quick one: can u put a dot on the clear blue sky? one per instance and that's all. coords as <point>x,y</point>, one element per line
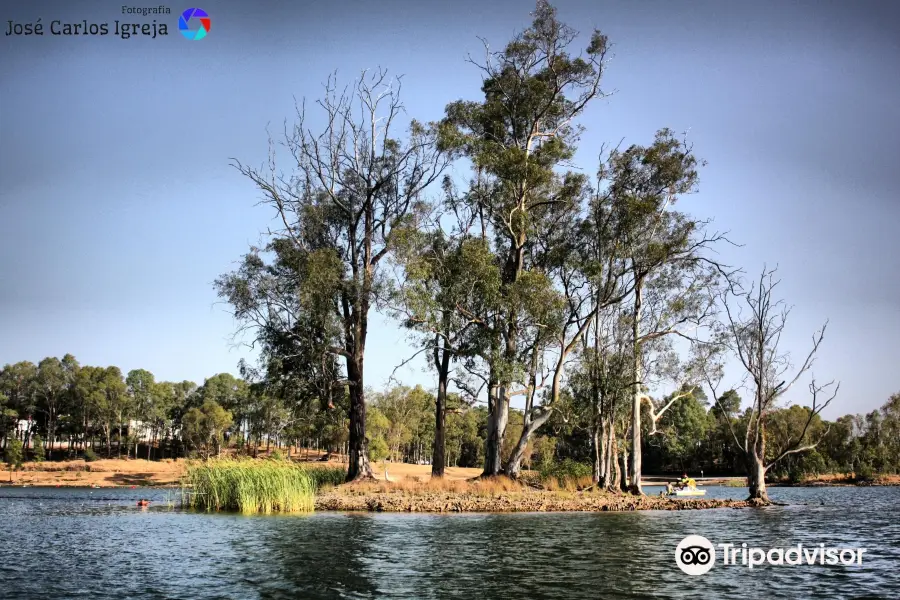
<point>118,208</point>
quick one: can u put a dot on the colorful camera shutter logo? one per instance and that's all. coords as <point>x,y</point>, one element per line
<point>197,18</point>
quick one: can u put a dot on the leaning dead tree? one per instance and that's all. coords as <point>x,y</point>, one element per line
<point>352,186</point>
<point>753,331</point>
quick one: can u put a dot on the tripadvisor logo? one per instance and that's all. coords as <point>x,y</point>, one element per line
<point>696,555</point>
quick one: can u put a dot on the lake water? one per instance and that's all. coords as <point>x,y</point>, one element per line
<point>81,543</point>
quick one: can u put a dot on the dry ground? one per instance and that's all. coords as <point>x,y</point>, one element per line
<point>138,472</point>
<point>103,473</point>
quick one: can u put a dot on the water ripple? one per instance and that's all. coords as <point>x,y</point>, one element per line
<point>70,543</point>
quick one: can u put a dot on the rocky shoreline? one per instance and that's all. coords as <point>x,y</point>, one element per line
<point>527,501</point>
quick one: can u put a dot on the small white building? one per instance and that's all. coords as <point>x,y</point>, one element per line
<point>142,431</point>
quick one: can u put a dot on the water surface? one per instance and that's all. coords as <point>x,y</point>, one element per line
<point>96,543</point>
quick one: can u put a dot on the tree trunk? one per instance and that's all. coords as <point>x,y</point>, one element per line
<point>440,412</point>
<point>27,437</point>
<point>498,416</point>
<point>51,434</point>
<point>614,483</point>
<point>358,466</point>
<point>609,462</point>
<point>599,447</point>
<point>626,485</point>
<point>496,427</point>
<point>635,473</point>
<point>756,477</point>
<point>514,466</point>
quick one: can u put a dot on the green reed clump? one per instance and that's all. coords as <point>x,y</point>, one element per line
<point>249,486</point>
<point>323,476</point>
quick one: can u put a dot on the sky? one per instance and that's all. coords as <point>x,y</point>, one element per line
<point>118,207</point>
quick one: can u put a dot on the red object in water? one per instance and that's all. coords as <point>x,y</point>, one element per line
<point>134,486</point>
<point>143,503</point>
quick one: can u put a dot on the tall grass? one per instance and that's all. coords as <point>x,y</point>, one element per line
<point>567,474</point>
<point>249,486</point>
<point>325,476</point>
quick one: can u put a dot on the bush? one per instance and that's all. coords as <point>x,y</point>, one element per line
<point>865,472</point>
<point>276,455</point>
<point>38,451</point>
<point>322,476</point>
<point>14,456</point>
<point>378,449</point>
<point>566,470</point>
<point>90,455</point>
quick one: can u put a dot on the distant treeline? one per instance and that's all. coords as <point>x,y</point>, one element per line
<point>60,409</point>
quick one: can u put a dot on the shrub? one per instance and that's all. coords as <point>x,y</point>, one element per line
<point>563,471</point>
<point>865,472</point>
<point>14,456</point>
<point>90,455</point>
<point>378,449</point>
<point>276,455</point>
<point>38,450</point>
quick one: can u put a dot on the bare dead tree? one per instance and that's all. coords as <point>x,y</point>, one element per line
<point>351,186</point>
<point>752,332</point>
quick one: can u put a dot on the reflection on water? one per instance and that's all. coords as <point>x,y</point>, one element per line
<point>70,543</point>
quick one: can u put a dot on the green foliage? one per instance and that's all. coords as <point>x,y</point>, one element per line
<point>543,452</point>
<point>378,449</point>
<point>465,437</point>
<point>403,419</point>
<point>565,470</point>
<point>204,428</point>
<point>37,450</point>
<point>90,455</point>
<point>684,426</point>
<point>14,455</point>
<point>727,405</point>
<point>865,472</point>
